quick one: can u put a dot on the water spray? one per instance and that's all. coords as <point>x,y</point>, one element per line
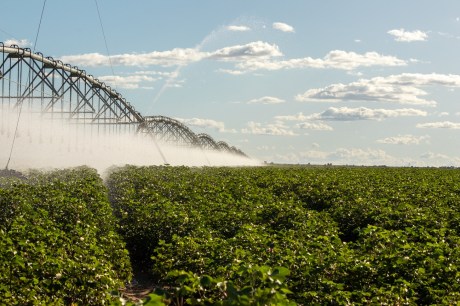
<point>22,100</point>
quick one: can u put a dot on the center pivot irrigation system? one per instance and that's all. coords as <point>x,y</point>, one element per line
<point>32,82</point>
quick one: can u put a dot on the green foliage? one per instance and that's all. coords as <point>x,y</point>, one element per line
<point>58,243</point>
<point>347,235</point>
<point>254,285</point>
<point>151,300</point>
<point>233,236</point>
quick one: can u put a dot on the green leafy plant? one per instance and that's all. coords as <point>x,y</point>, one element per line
<point>58,242</point>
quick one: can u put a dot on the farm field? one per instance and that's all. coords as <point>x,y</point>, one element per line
<point>233,236</point>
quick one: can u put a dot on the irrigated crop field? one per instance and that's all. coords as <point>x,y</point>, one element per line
<point>233,236</point>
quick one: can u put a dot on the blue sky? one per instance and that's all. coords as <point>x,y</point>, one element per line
<point>342,82</point>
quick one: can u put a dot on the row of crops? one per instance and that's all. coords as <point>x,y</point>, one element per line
<point>233,236</point>
<point>58,240</point>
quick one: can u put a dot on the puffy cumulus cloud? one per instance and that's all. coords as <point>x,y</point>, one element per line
<point>87,60</point>
<point>315,145</point>
<point>204,123</point>
<point>299,117</point>
<point>353,154</point>
<point>439,159</point>
<point>277,128</point>
<point>316,126</point>
<point>158,74</point>
<point>298,157</point>
<point>128,82</point>
<point>306,122</point>
<point>336,59</point>
<point>23,43</point>
<point>350,156</point>
<point>440,125</point>
<point>266,148</point>
<point>177,56</point>
<point>368,157</point>
<point>314,154</point>
<point>266,100</point>
<point>231,71</point>
<point>351,60</point>
<point>315,121</point>
<point>257,49</point>
<point>250,57</point>
<point>432,155</point>
<point>408,36</point>
<point>280,26</point>
<point>402,89</point>
<point>364,113</point>
<point>405,140</point>
<point>174,83</point>
<point>420,79</point>
<point>368,91</point>
<point>238,28</point>
<point>143,76</point>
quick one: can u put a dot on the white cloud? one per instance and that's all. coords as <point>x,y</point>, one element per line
<point>250,57</point>
<point>174,83</point>
<point>174,57</point>
<point>405,140</point>
<point>432,155</point>
<point>440,125</point>
<point>316,126</point>
<point>315,121</point>
<point>23,43</point>
<point>283,27</point>
<point>419,79</point>
<point>266,148</point>
<point>299,117</point>
<point>238,28</point>
<point>159,74</point>
<point>363,113</point>
<point>355,73</point>
<point>305,122</point>
<point>277,128</point>
<point>177,56</point>
<point>438,159</point>
<point>314,154</point>
<point>232,72</point>
<point>204,123</point>
<point>351,60</point>
<point>366,156</point>
<point>408,36</point>
<point>127,82</point>
<point>257,49</point>
<point>368,91</point>
<point>350,156</point>
<point>266,100</point>
<point>402,89</point>
<point>336,59</point>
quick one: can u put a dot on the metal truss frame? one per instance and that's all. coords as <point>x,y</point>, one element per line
<point>60,91</point>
